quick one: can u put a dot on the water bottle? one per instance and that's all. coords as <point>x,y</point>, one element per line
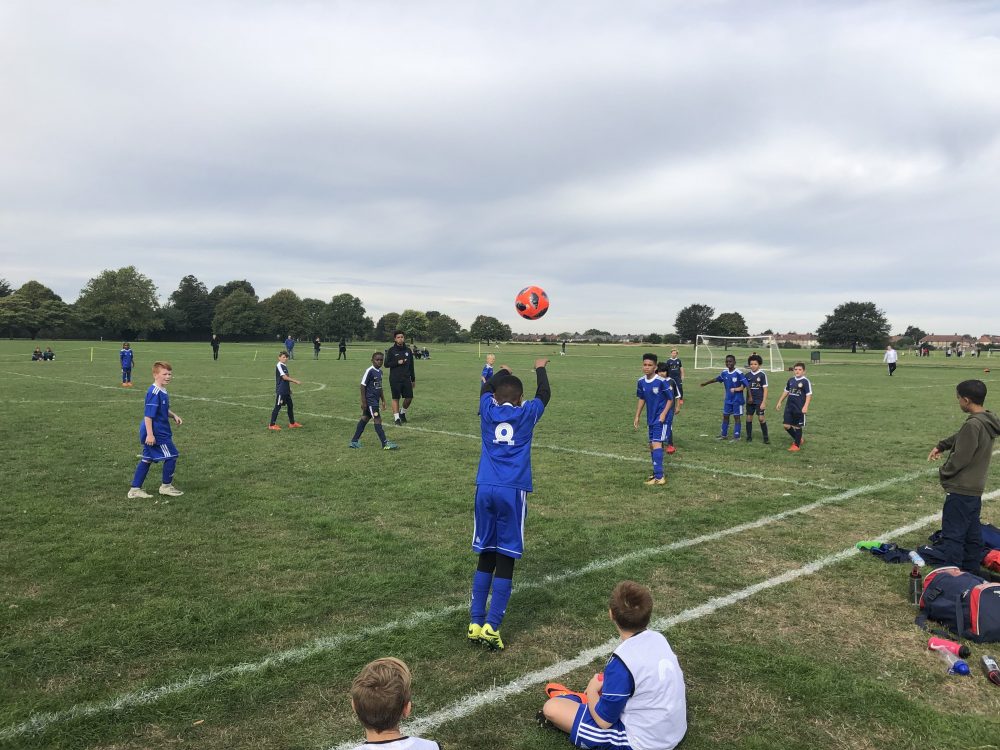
<point>991,669</point>
<point>916,586</point>
<point>959,649</point>
<point>955,665</point>
<point>916,559</point>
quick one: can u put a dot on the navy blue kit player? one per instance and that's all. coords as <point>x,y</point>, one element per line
<point>371,398</point>
<point>799,393</point>
<point>657,397</point>
<point>675,371</point>
<point>735,384</point>
<point>283,392</point>
<point>663,371</point>
<point>756,396</point>
<point>155,436</point>
<point>402,376</point>
<point>507,425</point>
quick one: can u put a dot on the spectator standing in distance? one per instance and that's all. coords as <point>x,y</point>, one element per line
<point>890,357</point>
<point>402,376</point>
<point>317,345</point>
<point>342,348</point>
<point>215,345</point>
<point>290,346</point>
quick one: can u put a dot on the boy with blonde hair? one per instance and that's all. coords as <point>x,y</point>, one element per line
<point>381,698</point>
<point>155,435</point>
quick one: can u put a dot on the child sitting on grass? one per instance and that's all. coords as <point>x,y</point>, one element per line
<point>639,700</point>
<point>380,697</point>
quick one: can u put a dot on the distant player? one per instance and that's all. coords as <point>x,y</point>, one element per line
<point>342,348</point>
<point>283,392</point>
<point>890,357</point>
<point>639,700</point>
<point>733,404</point>
<point>798,389</point>
<point>49,355</point>
<point>155,436</point>
<point>371,398</point>
<point>317,345</point>
<point>756,396</point>
<point>675,369</point>
<point>402,376</point>
<point>215,342</point>
<point>487,369</point>
<point>290,346</point>
<point>663,371</point>
<point>507,425</point>
<point>126,355</point>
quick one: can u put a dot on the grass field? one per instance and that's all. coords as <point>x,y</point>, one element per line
<point>237,615</point>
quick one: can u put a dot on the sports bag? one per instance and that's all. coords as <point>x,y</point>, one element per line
<point>964,603</point>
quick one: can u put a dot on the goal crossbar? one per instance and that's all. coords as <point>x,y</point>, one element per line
<point>710,351</point>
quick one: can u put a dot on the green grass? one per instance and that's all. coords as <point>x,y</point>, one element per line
<point>285,539</point>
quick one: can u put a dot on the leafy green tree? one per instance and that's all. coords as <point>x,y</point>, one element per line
<point>851,322</point>
<point>414,324</point>
<point>444,329</point>
<point>653,338</point>
<point>224,290</point>
<point>346,317</point>
<point>385,326</point>
<point>315,312</point>
<point>282,313</point>
<point>5,288</point>
<point>671,338</point>
<point>192,307</point>
<point>432,314</point>
<point>122,303</point>
<point>692,320</point>
<point>914,333</point>
<point>238,314</point>
<point>487,328</point>
<point>33,307</point>
<point>728,324</point>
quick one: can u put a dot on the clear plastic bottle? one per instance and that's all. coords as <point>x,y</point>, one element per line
<point>916,559</point>
<point>955,665</point>
<point>916,586</point>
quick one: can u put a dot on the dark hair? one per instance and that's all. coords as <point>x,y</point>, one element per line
<point>650,356</point>
<point>509,388</point>
<point>631,605</point>
<point>397,332</point>
<point>974,390</point>
<point>282,353</point>
<point>380,693</point>
<point>730,357</point>
<point>755,358</point>
<point>799,364</point>
<point>378,354</point>
<point>662,367</point>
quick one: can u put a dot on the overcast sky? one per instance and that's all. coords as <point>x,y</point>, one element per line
<point>630,157</point>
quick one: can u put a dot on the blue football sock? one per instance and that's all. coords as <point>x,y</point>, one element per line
<point>481,583</point>
<point>658,463</point>
<point>358,430</point>
<point>725,427</point>
<point>380,432</point>
<point>140,473</point>
<point>737,429</point>
<point>498,602</point>
<point>168,470</point>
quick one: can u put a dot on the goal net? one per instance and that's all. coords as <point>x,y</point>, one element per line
<point>710,352</point>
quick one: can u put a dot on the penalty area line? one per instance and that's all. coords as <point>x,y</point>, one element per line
<point>327,644</point>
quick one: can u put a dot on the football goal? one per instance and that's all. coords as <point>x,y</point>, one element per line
<point>710,352</point>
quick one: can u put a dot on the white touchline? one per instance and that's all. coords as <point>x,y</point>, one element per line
<point>673,463</point>
<point>469,704</point>
<point>327,644</point>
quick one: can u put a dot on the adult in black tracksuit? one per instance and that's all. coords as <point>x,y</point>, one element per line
<point>402,377</point>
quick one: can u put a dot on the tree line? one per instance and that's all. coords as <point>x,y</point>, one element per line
<point>124,304</point>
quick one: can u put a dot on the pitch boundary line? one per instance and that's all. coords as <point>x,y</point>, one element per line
<point>674,463</point>
<point>327,644</point>
<point>468,705</point>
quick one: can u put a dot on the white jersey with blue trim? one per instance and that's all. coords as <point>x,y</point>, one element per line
<point>506,432</point>
<point>655,716</point>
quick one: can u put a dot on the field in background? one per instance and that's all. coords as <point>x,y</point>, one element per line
<point>236,616</point>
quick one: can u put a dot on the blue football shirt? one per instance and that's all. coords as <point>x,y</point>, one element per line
<point>158,410</point>
<point>733,379</point>
<point>126,358</point>
<point>506,435</point>
<point>487,372</point>
<point>655,393</point>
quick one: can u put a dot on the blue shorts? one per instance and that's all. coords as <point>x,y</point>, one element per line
<point>732,407</point>
<point>499,520</point>
<point>659,432</point>
<point>794,416</point>
<point>160,452</point>
<point>585,733</point>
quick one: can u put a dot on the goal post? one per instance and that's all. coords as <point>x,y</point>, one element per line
<point>710,351</point>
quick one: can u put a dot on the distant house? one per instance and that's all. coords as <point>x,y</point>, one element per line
<point>987,341</point>
<point>805,340</point>
<point>962,341</point>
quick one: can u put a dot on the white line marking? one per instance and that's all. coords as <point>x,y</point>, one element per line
<point>468,705</point>
<point>40,722</point>
<point>672,463</point>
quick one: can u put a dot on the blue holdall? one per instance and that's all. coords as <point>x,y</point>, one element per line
<point>964,603</point>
